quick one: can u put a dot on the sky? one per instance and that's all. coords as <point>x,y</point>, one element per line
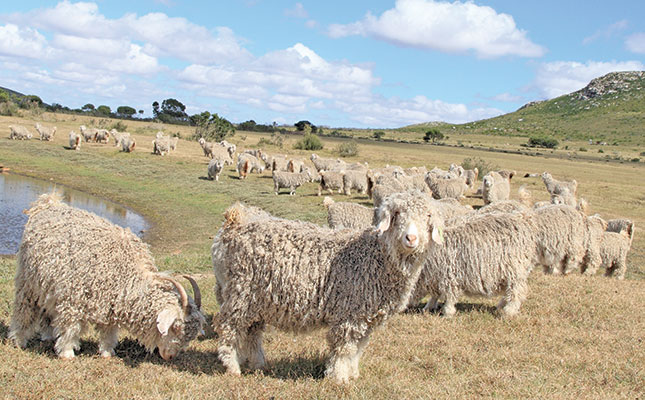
<point>361,64</point>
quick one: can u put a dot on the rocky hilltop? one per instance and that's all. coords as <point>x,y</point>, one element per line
<point>612,83</point>
<point>606,91</point>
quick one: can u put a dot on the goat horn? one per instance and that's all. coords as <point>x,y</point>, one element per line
<point>196,291</point>
<point>180,289</point>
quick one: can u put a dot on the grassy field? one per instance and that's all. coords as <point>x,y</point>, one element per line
<point>576,336</point>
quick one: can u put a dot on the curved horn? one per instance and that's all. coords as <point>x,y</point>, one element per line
<point>180,289</point>
<point>196,292</point>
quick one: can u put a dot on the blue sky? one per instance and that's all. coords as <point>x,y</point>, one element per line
<point>378,64</point>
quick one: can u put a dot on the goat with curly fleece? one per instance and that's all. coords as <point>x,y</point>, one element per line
<point>75,141</point>
<point>554,186</point>
<point>615,244</point>
<point>75,269</point>
<point>341,215</point>
<point>496,187</point>
<point>45,133</point>
<point>486,255</point>
<point>290,180</point>
<point>19,132</point>
<point>298,276</point>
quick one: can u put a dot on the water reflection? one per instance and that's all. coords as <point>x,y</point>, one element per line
<point>17,192</point>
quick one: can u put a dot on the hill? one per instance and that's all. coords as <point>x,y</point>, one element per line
<point>609,109</point>
<point>12,92</point>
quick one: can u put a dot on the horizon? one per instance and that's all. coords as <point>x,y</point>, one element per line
<point>289,61</point>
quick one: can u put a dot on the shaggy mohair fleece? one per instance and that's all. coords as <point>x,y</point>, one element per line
<point>614,247</point>
<point>331,180</point>
<point>246,163</point>
<point>471,177</point>
<point>118,136</point>
<point>88,133</point>
<point>102,136</point>
<point>46,133</point>
<point>341,215</point>
<point>568,239</point>
<point>161,145</point>
<point>215,167</point>
<point>355,180</point>
<point>495,187</point>
<point>290,180</point>
<point>554,186</point>
<point>443,188</point>
<point>19,132</point>
<point>298,276</point>
<point>75,268</point>
<point>324,164</point>
<point>74,141</point>
<point>486,255</point>
<point>127,144</point>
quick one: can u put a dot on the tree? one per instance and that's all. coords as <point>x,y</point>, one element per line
<point>214,128</point>
<point>378,135</point>
<point>174,108</point>
<point>301,125</point>
<point>247,126</point>
<point>155,109</point>
<point>125,111</point>
<point>308,142</point>
<point>433,134</point>
<point>141,112</point>
<point>4,97</point>
<point>200,119</point>
<point>103,109</point>
<point>88,107</point>
<point>32,98</point>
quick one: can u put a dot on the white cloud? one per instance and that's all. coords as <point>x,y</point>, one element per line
<point>636,43</point>
<point>294,73</point>
<point>21,42</point>
<point>90,57</point>
<point>393,112</point>
<point>507,98</point>
<point>448,27</point>
<point>607,32</point>
<point>561,77</point>
<point>298,11</point>
<point>162,35</point>
<point>178,37</point>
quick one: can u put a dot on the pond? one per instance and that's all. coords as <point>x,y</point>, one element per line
<point>17,192</point>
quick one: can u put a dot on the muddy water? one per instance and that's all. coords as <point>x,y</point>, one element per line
<point>17,192</point>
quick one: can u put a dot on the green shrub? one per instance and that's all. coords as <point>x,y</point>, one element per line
<point>543,141</point>
<point>378,135</point>
<point>119,126</point>
<point>582,149</point>
<point>482,166</point>
<point>309,142</point>
<point>433,135</point>
<point>635,159</point>
<point>214,128</point>
<point>601,151</point>
<point>347,149</point>
<point>276,140</point>
<point>9,109</point>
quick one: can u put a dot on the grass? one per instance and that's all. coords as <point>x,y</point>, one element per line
<point>576,336</point>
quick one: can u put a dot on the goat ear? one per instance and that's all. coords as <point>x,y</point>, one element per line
<point>382,220</point>
<point>437,233</point>
<point>165,319</point>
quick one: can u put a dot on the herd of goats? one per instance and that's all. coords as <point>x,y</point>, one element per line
<point>418,241</point>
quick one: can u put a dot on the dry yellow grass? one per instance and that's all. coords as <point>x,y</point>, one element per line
<point>575,337</point>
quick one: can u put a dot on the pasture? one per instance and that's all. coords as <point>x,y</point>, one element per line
<point>576,336</point>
